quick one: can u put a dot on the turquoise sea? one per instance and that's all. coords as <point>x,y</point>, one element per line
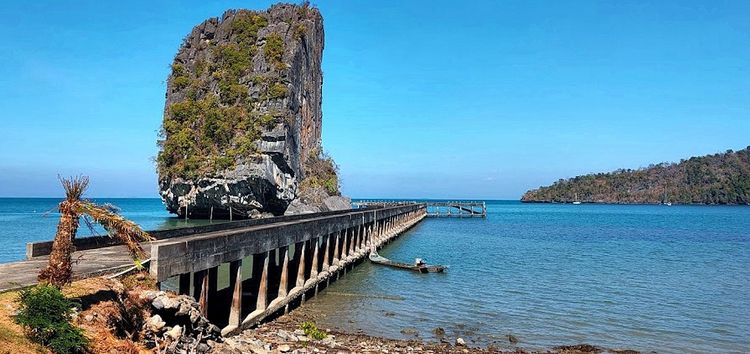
<point>35,219</point>
<point>651,278</point>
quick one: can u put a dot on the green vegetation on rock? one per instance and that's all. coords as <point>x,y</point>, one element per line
<point>713,179</point>
<point>217,123</point>
<point>274,50</point>
<point>321,172</point>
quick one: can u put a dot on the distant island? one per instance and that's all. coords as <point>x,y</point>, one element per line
<point>722,178</point>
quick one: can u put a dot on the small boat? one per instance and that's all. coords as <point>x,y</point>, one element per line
<point>576,202</point>
<point>665,200</point>
<point>418,266</point>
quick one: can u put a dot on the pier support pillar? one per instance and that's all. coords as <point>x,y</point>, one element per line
<point>235,309</point>
<point>301,268</point>
<point>213,278</point>
<point>362,236</point>
<point>200,290</point>
<point>353,241</point>
<point>284,278</point>
<point>198,283</point>
<point>336,256</point>
<point>184,284</point>
<point>344,246</point>
<point>315,260</point>
<point>262,301</point>
<point>326,252</point>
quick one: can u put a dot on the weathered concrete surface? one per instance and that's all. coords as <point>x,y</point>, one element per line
<point>195,253</point>
<point>43,248</point>
<point>87,263</point>
<point>362,240</point>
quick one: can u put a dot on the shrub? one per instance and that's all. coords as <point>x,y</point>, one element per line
<point>180,82</point>
<point>321,171</point>
<point>178,69</point>
<point>44,313</point>
<point>274,50</point>
<point>277,90</point>
<point>312,331</point>
<point>299,30</point>
<point>268,121</point>
<point>246,25</point>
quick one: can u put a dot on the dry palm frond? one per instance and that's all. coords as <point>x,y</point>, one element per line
<point>59,270</point>
<point>118,227</point>
<point>74,187</point>
<point>90,224</point>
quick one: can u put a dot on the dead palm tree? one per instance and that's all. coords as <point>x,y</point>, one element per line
<point>72,209</point>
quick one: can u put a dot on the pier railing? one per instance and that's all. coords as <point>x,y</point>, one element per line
<point>435,209</point>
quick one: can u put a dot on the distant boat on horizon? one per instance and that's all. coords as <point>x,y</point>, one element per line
<point>665,200</point>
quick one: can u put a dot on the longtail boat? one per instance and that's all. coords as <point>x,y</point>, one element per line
<point>418,266</point>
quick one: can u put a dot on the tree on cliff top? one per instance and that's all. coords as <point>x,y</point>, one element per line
<point>59,270</point>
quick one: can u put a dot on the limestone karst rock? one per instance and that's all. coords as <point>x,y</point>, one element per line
<point>242,120</point>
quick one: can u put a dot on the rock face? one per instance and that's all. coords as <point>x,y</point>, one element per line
<point>243,113</point>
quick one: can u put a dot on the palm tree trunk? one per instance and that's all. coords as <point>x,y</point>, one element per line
<point>59,271</point>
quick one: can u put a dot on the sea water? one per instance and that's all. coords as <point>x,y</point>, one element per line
<point>25,220</point>
<point>668,279</point>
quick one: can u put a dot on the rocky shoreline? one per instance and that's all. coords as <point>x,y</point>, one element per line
<point>284,335</point>
<point>132,317</point>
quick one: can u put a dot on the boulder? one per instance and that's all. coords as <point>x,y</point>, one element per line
<point>178,318</point>
<point>155,323</point>
<point>298,207</point>
<point>337,203</point>
<point>175,333</point>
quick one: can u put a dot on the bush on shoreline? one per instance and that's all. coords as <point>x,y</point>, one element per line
<point>45,313</point>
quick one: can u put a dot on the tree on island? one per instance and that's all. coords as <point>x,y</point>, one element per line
<point>59,270</point>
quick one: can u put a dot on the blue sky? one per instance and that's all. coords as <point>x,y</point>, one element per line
<point>443,99</point>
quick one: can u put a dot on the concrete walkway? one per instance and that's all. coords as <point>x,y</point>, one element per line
<point>105,260</point>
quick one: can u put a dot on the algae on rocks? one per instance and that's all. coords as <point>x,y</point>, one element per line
<point>243,115</point>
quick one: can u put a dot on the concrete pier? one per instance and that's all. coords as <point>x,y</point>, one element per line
<point>305,255</point>
<point>435,209</point>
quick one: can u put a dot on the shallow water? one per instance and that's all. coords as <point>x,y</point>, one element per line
<point>669,279</point>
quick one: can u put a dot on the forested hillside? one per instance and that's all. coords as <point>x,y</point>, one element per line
<point>712,179</point>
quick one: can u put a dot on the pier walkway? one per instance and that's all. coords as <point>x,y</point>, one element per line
<point>270,264</point>
<point>87,263</point>
<point>435,209</point>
